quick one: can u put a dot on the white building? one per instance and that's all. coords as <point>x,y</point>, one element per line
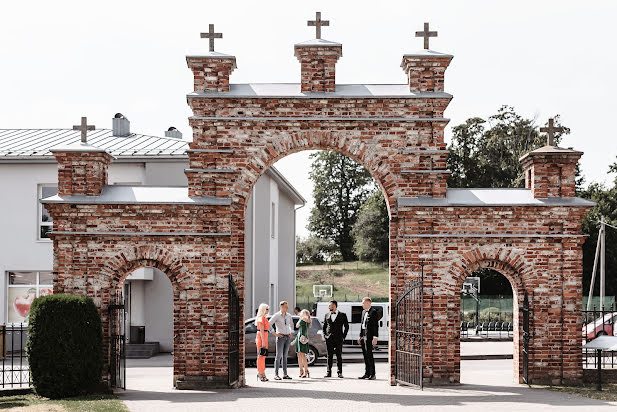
<point>28,171</point>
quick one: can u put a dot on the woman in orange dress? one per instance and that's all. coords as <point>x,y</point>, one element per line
<point>261,340</point>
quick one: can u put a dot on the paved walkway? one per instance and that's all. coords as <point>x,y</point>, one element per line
<point>486,386</point>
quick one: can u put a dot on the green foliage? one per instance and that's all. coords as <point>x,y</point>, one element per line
<point>314,250</point>
<point>340,187</point>
<point>65,349</point>
<point>485,153</point>
<point>606,205</point>
<point>371,230</point>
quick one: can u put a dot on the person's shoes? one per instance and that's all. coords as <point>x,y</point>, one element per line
<point>328,374</point>
<point>286,377</point>
<point>365,376</point>
<point>277,378</point>
<point>340,374</point>
<point>371,378</point>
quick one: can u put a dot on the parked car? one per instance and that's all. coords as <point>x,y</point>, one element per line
<point>317,343</point>
<point>604,325</point>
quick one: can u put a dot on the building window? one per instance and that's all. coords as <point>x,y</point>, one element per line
<point>45,222</point>
<point>23,287</point>
<point>273,221</point>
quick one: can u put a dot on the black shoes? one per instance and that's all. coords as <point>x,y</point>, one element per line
<point>287,377</point>
<point>328,374</point>
<point>371,378</point>
<point>340,374</point>
<point>277,378</point>
<point>365,376</point>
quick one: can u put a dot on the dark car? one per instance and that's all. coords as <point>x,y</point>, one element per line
<point>317,343</point>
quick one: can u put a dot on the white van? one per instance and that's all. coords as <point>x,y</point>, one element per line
<point>353,310</point>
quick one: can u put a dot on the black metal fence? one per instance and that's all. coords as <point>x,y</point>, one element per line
<point>15,369</point>
<point>492,325</point>
<point>598,323</point>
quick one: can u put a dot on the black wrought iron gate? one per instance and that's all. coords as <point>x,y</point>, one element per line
<point>526,339</point>
<point>233,333</point>
<point>117,328</point>
<point>409,315</point>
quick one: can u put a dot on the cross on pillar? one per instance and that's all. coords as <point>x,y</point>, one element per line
<point>550,131</point>
<point>211,35</point>
<point>426,34</point>
<point>84,127</point>
<point>318,22</point>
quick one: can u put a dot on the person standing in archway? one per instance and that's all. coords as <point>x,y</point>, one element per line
<point>281,324</point>
<point>335,328</point>
<point>261,340</point>
<point>369,330</point>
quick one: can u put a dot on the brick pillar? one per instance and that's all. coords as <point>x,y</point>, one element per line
<point>425,70</point>
<point>551,171</point>
<point>82,169</point>
<point>211,71</point>
<point>317,64</point>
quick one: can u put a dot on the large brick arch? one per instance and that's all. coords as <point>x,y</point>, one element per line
<point>349,144</point>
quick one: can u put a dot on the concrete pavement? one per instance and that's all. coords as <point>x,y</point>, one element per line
<point>487,385</point>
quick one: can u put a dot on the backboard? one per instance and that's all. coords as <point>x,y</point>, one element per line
<point>471,285</point>
<point>322,291</point>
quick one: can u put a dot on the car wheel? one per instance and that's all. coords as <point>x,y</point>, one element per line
<point>601,333</point>
<point>311,356</point>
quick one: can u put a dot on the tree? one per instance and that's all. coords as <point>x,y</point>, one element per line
<point>314,250</point>
<point>606,205</point>
<point>370,232</point>
<point>340,187</point>
<point>485,153</point>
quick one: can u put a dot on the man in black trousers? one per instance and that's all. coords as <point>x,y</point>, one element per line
<point>369,329</point>
<point>335,328</point>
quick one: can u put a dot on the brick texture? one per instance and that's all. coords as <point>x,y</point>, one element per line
<point>400,141</point>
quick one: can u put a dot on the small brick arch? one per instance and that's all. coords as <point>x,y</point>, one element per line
<point>351,146</point>
<point>127,261</point>
<point>509,262</point>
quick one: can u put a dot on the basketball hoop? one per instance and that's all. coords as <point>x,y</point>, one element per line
<point>322,291</point>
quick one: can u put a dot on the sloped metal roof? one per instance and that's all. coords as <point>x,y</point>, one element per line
<point>18,143</point>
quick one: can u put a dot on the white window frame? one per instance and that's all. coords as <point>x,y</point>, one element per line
<point>273,225</point>
<point>39,212</point>
<point>37,286</point>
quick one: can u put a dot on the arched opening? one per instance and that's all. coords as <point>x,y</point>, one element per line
<point>296,251</point>
<point>147,294</point>
<point>491,293</point>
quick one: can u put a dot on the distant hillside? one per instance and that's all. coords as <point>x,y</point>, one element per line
<point>350,280</point>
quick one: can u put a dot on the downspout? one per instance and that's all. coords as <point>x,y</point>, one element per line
<point>296,253</point>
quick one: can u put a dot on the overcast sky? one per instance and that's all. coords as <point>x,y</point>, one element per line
<point>64,59</point>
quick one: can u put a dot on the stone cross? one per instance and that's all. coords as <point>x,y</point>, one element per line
<point>426,34</point>
<point>211,35</point>
<point>318,22</point>
<point>550,131</point>
<point>83,127</point>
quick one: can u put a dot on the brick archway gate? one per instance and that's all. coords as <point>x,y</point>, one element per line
<point>395,132</point>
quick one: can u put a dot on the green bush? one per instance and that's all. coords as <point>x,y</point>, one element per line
<point>65,345</point>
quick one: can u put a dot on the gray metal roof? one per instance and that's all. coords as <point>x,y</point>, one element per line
<point>427,53</point>
<point>117,194</point>
<point>292,90</point>
<point>317,43</point>
<point>17,143</point>
<point>491,197</point>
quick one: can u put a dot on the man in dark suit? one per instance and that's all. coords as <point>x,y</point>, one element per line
<point>369,330</point>
<point>335,328</point>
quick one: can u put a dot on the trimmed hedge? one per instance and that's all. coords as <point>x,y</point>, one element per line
<point>65,345</point>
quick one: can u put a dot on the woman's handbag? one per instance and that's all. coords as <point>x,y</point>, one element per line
<point>263,351</point>
<point>303,339</point>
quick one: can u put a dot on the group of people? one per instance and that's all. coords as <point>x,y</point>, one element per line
<point>335,327</point>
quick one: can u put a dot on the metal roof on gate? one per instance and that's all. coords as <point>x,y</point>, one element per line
<point>17,143</point>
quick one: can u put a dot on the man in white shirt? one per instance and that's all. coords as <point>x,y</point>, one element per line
<point>281,324</point>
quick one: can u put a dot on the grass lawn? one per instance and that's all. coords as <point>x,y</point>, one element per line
<point>91,403</point>
<point>609,391</point>
<point>349,280</point>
